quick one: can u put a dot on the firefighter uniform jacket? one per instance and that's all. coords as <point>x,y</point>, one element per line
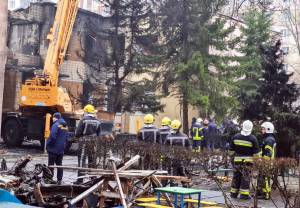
<point>178,139</point>
<point>269,147</point>
<point>197,132</point>
<point>244,148</point>
<point>89,125</point>
<point>149,133</point>
<point>164,131</point>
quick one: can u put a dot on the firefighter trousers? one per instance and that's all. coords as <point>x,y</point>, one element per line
<point>263,186</point>
<point>241,179</point>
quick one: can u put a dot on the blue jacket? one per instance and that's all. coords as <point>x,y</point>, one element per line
<point>58,137</point>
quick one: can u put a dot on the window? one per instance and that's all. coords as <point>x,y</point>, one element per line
<point>285,16</point>
<point>284,33</point>
<point>11,4</point>
<point>285,50</point>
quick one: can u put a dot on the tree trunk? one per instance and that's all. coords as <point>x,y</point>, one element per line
<point>185,115</point>
<point>117,100</point>
<point>3,49</point>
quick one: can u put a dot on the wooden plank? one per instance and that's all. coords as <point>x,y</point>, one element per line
<point>38,195</point>
<point>145,175</point>
<point>102,198</point>
<point>202,202</point>
<point>152,205</point>
<point>122,196</point>
<point>100,171</point>
<point>113,195</point>
<point>145,188</point>
<point>97,185</point>
<point>149,199</point>
<point>129,163</point>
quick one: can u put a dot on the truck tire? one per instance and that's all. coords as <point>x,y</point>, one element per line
<point>12,133</point>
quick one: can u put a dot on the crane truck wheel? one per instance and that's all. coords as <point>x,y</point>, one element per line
<point>12,133</point>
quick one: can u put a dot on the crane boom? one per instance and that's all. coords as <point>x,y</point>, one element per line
<point>42,90</point>
<point>59,37</point>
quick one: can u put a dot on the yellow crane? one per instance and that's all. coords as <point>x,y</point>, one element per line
<point>40,96</point>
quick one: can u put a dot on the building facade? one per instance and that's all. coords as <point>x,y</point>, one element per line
<point>96,6</point>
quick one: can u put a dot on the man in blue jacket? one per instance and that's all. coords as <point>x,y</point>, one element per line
<point>56,144</point>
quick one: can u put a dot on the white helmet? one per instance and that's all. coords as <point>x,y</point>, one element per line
<point>199,120</point>
<point>268,126</point>
<point>247,127</point>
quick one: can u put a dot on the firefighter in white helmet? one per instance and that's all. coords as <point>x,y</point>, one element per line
<point>197,135</point>
<point>243,147</point>
<point>268,153</point>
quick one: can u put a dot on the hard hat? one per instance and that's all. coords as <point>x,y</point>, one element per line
<point>199,120</point>
<point>89,109</point>
<point>247,127</point>
<point>166,121</point>
<point>268,126</point>
<point>148,119</point>
<point>175,125</point>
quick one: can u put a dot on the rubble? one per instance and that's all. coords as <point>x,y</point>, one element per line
<point>104,188</point>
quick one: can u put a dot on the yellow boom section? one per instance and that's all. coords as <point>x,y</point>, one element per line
<point>59,37</point>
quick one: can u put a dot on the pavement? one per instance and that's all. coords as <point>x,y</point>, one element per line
<point>12,155</point>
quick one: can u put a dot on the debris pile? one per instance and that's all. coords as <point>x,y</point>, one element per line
<point>109,187</point>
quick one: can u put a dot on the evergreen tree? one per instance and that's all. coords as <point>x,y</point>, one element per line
<point>255,33</point>
<point>275,99</point>
<point>190,28</point>
<point>276,93</point>
<point>134,35</point>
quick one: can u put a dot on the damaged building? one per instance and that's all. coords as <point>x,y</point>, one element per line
<point>86,62</point>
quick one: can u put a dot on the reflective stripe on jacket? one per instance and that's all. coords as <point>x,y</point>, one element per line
<point>149,133</point>
<point>244,148</point>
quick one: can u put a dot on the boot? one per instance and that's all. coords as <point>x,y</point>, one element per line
<point>234,195</point>
<point>244,197</point>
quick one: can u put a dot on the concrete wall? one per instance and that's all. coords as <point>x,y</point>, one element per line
<point>13,80</point>
<point>3,49</point>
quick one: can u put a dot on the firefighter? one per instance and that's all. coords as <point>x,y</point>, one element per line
<point>197,135</point>
<point>268,153</point>
<point>243,148</point>
<point>164,130</point>
<point>88,127</point>
<point>148,133</point>
<point>176,138</point>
